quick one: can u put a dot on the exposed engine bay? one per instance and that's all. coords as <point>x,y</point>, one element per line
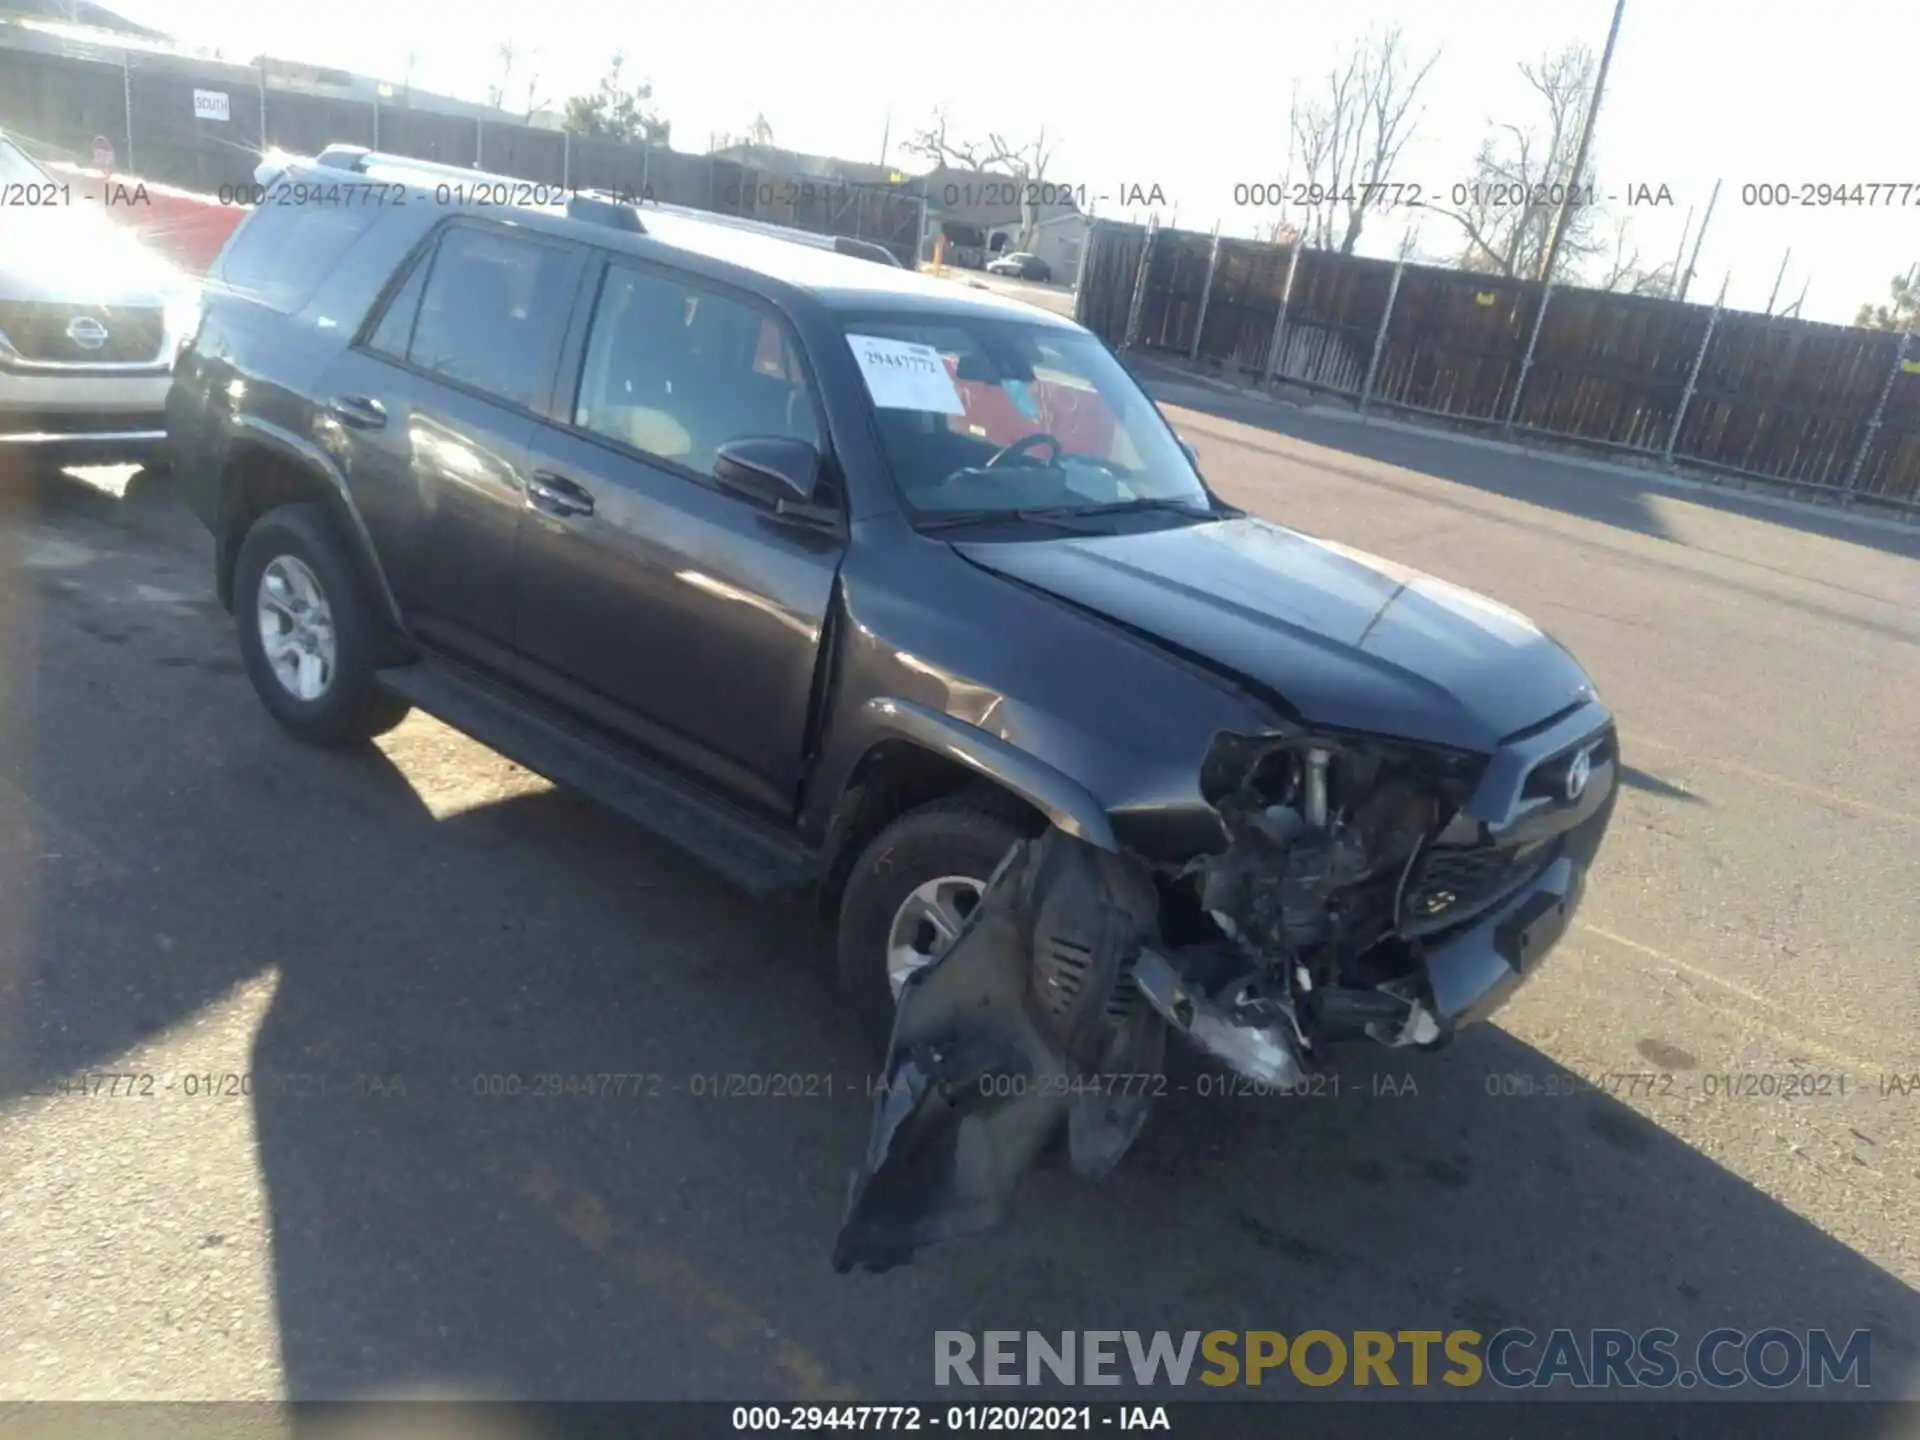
<point>1352,895</point>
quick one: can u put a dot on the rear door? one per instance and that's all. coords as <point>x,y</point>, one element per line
<point>434,406</point>
<point>680,613</point>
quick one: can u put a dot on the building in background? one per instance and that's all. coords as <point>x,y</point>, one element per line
<point>981,215</point>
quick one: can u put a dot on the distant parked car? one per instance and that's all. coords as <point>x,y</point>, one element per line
<point>1021,266</point>
<point>90,321</point>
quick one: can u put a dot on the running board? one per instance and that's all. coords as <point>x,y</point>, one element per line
<point>753,854</point>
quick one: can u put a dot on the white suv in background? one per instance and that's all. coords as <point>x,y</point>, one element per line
<point>90,321</point>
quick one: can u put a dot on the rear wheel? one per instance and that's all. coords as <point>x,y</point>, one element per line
<point>309,631</point>
<point>909,896</point>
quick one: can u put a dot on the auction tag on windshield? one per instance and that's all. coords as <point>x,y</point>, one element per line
<point>901,375</point>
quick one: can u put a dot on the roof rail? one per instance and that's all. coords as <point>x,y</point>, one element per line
<point>597,208</point>
<point>867,250</point>
<point>594,209</point>
<point>598,211</point>
<point>343,157</point>
<point>842,244</point>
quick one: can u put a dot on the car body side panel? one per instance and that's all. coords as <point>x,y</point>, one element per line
<point>251,376</point>
<point>245,383</point>
<point>1118,719</point>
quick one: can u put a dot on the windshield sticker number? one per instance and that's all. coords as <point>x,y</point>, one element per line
<point>901,375</point>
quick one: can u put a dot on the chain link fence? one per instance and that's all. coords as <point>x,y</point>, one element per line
<point>201,125</point>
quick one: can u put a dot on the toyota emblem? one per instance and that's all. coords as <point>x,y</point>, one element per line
<point>86,332</point>
<point>1578,773</point>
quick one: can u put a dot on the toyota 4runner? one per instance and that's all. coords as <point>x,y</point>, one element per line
<point>847,578</point>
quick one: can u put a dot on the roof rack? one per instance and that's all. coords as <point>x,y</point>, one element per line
<point>597,207</point>
<point>598,210</point>
<point>842,244</point>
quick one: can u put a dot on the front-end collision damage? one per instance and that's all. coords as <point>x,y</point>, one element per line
<point>1002,1040</point>
<point>1362,888</point>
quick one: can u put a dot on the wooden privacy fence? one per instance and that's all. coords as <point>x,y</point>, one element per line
<point>1831,408</point>
<point>154,112</point>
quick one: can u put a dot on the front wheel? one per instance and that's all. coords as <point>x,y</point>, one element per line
<point>309,631</point>
<point>909,896</point>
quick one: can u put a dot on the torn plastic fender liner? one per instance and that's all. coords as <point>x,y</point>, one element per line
<point>989,1042</point>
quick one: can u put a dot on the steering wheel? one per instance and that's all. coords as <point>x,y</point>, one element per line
<point>1007,454</point>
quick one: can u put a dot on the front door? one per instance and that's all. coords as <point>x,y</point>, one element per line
<point>687,616</point>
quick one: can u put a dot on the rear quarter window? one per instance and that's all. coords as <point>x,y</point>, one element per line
<point>282,252</point>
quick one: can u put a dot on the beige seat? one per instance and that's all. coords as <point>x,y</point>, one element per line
<point>654,431</point>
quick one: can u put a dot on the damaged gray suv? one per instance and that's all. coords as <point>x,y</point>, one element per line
<point>850,579</point>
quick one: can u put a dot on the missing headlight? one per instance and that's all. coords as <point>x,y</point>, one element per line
<point>1321,832</point>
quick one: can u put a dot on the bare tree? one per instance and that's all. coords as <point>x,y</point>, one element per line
<point>1625,275</point>
<point>938,144</point>
<point>534,98</point>
<point>507,53</point>
<point>1506,206</point>
<point>1345,141</point>
<point>498,93</point>
<point>758,135</point>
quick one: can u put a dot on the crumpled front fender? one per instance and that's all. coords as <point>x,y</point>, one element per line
<point>1030,1021</point>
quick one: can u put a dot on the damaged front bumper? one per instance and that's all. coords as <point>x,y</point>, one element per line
<point>1022,1027</point>
<point>1050,1011</point>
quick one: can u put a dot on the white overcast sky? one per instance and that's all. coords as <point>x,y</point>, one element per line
<point>1193,96</point>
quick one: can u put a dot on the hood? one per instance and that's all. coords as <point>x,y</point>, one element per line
<point>76,256</point>
<point>1346,639</point>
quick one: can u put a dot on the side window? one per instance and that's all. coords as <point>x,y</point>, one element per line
<point>281,253</point>
<point>395,331</point>
<point>492,311</point>
<point>678,372</point>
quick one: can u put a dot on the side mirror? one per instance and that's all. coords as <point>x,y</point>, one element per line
<point>1186,447</point>
<point>771,469</point>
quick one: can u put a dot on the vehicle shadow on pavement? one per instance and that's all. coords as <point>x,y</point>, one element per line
<point>640,1223</point>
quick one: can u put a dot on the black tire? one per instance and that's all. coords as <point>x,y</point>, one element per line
<point>965,835</point>
<point>354,707</point>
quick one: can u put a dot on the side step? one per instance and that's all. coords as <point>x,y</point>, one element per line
<point>753,854</point>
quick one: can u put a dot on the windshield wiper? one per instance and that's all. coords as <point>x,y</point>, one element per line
<point>1058,516</point>
<point>1171,504</point>
<point>1080,519</point>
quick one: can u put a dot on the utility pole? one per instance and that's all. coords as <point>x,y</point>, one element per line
<point>1705,220</point>
<point>1586,143</point>
<point>886,134</point>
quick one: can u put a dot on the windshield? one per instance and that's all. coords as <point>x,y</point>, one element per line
<point>16,169</point>
<point>994,415</point>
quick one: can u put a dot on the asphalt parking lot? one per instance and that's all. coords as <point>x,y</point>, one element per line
<point>186,895</point>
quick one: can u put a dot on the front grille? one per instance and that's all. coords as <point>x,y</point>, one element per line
<point>1452,882</point>
<point>1548,779</point>
<point>37,329</point>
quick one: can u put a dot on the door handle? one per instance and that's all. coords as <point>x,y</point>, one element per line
<point>362,412</point>
<point>553,494</point>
